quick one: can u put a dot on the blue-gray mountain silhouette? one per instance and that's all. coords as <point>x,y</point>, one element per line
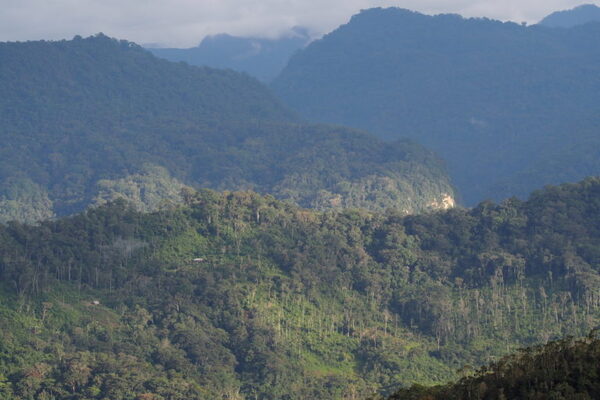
<point>577,16</point>
<point>262,58</point>
<point>509,107</point>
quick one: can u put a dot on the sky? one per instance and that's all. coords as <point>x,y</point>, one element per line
<point>183,23</point>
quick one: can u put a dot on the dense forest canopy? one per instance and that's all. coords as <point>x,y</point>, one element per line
<point>509,107</point>
<point>237,295</point>
<point>562,369</point>
<point>89,120</point>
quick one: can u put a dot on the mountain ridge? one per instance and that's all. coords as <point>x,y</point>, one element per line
<point>579,15</point>
<point>564,368</point>
<point>259,57</point>
<point>93,119</point>
<point>496,100</point>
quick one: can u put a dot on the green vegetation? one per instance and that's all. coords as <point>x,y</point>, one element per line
<point>24,200</point>
<point>236,295</point>
<point>564,369</point>
<point>510,108</point>
<point>89,120</point>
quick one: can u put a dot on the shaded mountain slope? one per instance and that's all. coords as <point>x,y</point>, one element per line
<point>495,100</point>
<point>99,79</point>
<point>92,119</point>
<point>240,296</point>
<point>569,18</point>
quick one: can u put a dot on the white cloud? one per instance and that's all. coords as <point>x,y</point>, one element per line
<point>184,23</point>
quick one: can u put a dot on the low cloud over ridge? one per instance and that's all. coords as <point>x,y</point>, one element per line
<point>183,23</point>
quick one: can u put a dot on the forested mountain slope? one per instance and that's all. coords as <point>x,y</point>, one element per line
<point>88,120</point>
<point>242,296</point>
<point>509,107</point>
<point>563,369</point>
<point>569,18</point>
<point>259,57</point>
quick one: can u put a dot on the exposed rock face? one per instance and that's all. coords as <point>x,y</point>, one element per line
<point>445,203</point>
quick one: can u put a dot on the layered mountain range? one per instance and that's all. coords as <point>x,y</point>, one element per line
<point>175,232</point>
<point>259,57</point>
<point>509,107</point>
<point>89,120</point>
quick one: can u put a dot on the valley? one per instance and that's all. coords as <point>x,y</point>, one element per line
<point>404,208</point>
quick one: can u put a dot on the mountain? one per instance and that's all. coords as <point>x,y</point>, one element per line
<point>563,369</point>
<point>89,120</point>
<point>569,18</point>
<point>258,57</point>
<point>509,107</point>
<point>236,295</point>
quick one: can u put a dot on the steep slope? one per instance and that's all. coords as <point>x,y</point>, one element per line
<point>563,369</point>
<point>92,119</point>
<point>99,79</point>
<point>241,296</point>
<point>258,57</point>
<point>496,100</point>
<point>569,18</point>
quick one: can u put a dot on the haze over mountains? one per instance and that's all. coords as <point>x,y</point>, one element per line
<point>569,18</point>
<point>329,263</point>
<point>262,58</point>
<point>88,120</point>
<point>509,107</point>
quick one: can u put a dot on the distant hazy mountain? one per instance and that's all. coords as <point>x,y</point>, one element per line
<point>509,107</point>
<point>261,58</point>
<point>569,18</point>
<point>90,120</point>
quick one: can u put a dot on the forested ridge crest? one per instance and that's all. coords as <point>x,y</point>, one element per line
<point>510,107</point>
<point>85,121</point>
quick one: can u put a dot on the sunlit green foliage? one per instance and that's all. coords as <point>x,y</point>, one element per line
<point>563,369</point>
<point>243,296</point>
